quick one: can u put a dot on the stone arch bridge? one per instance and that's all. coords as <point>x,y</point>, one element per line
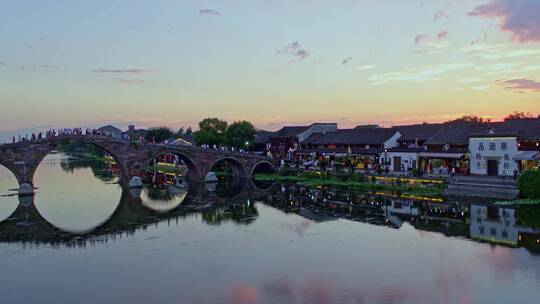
<point>23,158</point>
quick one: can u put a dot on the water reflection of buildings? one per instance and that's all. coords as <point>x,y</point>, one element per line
<point>231,201</point>
<point>495,224</point>
<point>499,225</point>
<point>167,169</point>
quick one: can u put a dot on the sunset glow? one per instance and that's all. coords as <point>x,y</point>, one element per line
<point>270,62</point>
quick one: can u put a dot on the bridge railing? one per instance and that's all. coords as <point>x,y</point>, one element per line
<point>224,152</point>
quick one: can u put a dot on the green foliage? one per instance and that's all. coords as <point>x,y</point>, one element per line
<point>520,202</point>
<point>312,175</point>
<point>285,171</point>
<point>240,134</point>
<point>529,215</point>
<point>357,177</point>
<point>516,115</point>
<point>314,179</point>
<point>64,142</point>
<point>159,134</point>
<point>214,131</point>
<point>529,184</point>
<point>470,119</point>
<point>184,132</point>
<point>211,132</point>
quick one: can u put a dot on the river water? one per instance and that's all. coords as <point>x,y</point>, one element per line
<point>82,239</point>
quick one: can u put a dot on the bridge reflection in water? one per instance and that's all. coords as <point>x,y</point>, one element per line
<point>137,209</point>
<point>236,201</point>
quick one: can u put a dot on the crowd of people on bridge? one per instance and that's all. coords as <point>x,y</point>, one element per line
<point>54,133</point>
<point>80,132</point>
<point>223,148</point>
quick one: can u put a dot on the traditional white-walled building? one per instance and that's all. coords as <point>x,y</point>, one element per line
<point>493,155</point>
<point>508,147</point>
<point>406,155</point>
<point>110,131</point>
<point>402,159</point>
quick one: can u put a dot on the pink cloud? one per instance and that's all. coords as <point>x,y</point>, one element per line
<point>439,15</point>
<point>520,18</point>
<point>132,81</point>
<point>121,71</point>
<point>520,85</point>
<point>211,12</point>
<point>420,38</point>
<point>442,35</point>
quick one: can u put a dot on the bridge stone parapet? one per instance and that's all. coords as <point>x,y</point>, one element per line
<point>23,158</point>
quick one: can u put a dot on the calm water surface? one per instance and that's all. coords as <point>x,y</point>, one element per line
<point>82,239</point>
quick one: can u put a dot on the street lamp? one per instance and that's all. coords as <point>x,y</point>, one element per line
<point>385,160</point>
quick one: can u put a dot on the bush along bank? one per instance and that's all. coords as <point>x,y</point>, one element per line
<point>529,184</point>
<point>356,181</point>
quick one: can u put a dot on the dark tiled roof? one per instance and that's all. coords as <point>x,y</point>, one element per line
<point>187,137</point>
<point>290,131</point>
<point>528,129</point>
<point>456,133</point>
<point>523,128</point>
<point>422,132</point>
<point>368,136</point>
<point>262,137</point>
<point>354,151</point>
<point>109,128</point>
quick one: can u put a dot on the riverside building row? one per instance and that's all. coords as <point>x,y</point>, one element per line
<point>495,148</point>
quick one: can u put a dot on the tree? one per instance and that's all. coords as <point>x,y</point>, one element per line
<point>516,115</point>
<point>240,134</point>
<point>470,119</point>
<point>211,132</point>
<point>159,134</point>
<point>188,132</point>
<point>529,184</point>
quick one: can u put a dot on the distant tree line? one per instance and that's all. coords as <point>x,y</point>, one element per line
<point>160,134</point>
<point>212,131</point>
<point>516,115</point>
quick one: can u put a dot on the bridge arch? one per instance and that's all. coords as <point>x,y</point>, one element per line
<point>235,165</point>
<point>8,184</point>
<point>262,166</point>
<point>12,171</point>
<point>194,170</point>
<point>6,167</point>
<point>125,171</point>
